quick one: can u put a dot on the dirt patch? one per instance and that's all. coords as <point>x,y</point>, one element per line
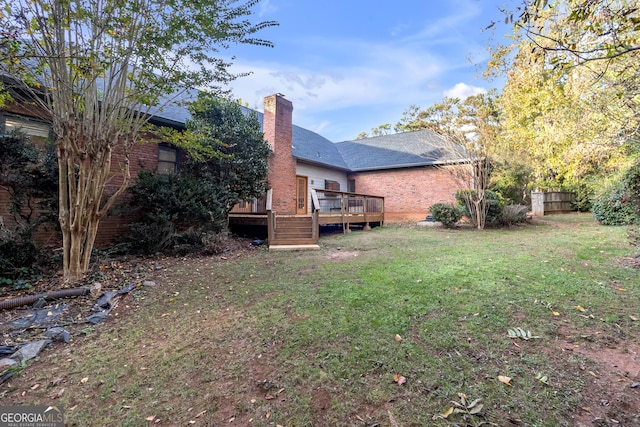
<point>342,255</point>
<point>611,373</point>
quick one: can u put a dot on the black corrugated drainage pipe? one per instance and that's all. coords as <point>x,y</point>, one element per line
<point>30,299</point>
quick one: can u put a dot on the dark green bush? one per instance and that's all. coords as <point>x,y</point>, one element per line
<point>29,176</point>
<point>582,201</point>
<point>166,204</point>
<point>446,213</point>
<point>614,207</point>
<point>631,183</point>
<point>514,214</point>
<point>512,180</point>
<point>19,256</point>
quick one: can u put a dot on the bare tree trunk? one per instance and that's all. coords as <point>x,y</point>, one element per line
<point>82,180</point>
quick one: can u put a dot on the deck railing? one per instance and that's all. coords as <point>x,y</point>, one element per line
<point>327,207</point>
<point>338,207</point>
<point>255,206</point>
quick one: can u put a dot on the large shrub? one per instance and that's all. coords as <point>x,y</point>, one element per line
<point>631,183</point>
<point>514,214</point>
<point>513,181</point>
<point>168,205</point>
<point>19,256</point>
<point>28,174</point>
<point>184,211</point>
<point>614,206</point>
<point>446,213</point>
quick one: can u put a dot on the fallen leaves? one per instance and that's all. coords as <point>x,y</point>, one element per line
<point>504,380</point>
<point>399,379</point>
<point>520,333</point>
<point>543,379</point>
<point>579,308</point>
<point>462,407</point>
<point>447,412</point>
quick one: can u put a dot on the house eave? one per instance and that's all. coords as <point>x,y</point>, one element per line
<point>411,165</point>
<point>321,164</point>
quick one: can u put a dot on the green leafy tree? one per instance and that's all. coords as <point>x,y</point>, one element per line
<point>570,100</point>
<point>239,171</point>
<point>580,31</point>
<point>100,69</point>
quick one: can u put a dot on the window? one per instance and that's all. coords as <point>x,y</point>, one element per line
<point>39,132</point>
<point>351,186</point>
<point>331,185</point>
<point>167,160</point>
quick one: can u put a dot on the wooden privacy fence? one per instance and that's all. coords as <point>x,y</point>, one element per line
<point>544,203</point>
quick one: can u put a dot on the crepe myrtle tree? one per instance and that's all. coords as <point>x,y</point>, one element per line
<point>99,70</point>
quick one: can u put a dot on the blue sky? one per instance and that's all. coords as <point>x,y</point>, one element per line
<point>350,65</point>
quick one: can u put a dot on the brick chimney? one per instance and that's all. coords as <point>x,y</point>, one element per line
<point>277,127</point>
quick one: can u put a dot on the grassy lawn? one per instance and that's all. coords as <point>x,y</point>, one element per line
<point>328,338</point>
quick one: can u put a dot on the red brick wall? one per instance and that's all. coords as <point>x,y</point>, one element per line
<point>112,225</point>
<point>277,127</point>
<point>45,236</point>
<point>408,193</point>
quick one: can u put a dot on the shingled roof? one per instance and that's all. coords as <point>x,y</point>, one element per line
<point>400,150</point>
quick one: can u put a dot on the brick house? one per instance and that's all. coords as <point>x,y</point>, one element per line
<point>312,180</point>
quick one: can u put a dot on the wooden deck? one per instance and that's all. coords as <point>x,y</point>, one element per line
<point>328,208</point>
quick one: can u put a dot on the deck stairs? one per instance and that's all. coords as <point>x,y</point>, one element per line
<point>293,232</point>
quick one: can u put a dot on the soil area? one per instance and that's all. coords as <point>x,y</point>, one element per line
<point>23,323</point>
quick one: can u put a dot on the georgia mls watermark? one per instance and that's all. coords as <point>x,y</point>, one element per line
<point>31,416</point>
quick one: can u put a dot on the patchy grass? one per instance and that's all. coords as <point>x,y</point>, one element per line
<point>302,339</point>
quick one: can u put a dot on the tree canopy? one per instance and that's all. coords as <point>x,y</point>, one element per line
<point>570,100</point>
<point>239,171</point>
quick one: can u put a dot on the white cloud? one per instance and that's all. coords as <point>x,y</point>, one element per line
<point>372,74</point>
<point>266,8</point>
<point>463,91</point>
<point>324,77</point>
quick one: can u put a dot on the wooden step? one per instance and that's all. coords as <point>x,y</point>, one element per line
<point>291,242</point>
<point>293,231</point>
